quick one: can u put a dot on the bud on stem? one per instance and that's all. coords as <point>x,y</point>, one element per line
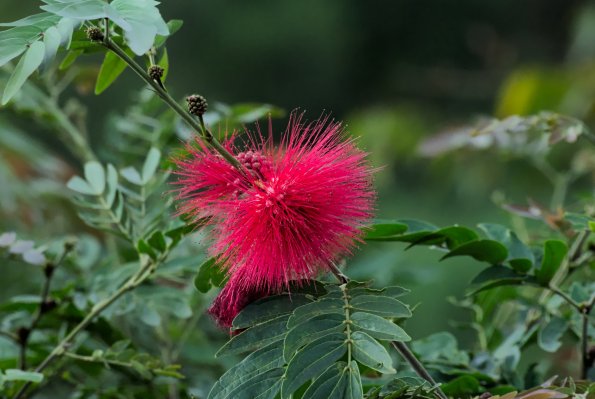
<point>197,105</point>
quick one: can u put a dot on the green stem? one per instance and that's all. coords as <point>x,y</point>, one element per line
<point>173,104</point>
<point>419,368</point>
<point>587,359</point>
<point>566,297</point>
<point>60,349</point>
<point>401,347</point>
<point>347,308</point>
<point>76,141</point>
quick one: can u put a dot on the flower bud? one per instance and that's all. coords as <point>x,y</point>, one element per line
<point>197,105</point>
<point>94,34</point>
<point>155,72</point>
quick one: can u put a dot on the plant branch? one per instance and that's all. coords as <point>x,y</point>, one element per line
<point>404,351</point>
<point>10,336</point>
<point>566,297</point>
<point>45,305</point>
<point>587,357</point>
<point>145,270</point>
<point>401,347</point>
<point>206,135</point>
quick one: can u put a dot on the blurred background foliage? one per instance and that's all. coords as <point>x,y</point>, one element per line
<point>397,72</point>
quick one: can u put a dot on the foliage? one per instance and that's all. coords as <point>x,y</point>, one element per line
<point>122,294</point>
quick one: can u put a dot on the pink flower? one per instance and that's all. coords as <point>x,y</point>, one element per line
<point>294,209</point>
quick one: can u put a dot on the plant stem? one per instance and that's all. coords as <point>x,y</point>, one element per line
<point>587,358</point>
<point>401,347</point>
<point>206,135</point>
<point>404,351</point>
<point>566,297</point>
<point>143,272</point>
<point>76,141</point>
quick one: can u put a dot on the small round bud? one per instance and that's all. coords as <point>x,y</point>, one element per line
<point>94,34</point>
<point>197,105</point>
<point>155,72</point>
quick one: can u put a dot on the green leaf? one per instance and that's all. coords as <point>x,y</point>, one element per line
<point>95,176</point>
<point>256,337</point>
<point>151,164</point>
<point>520,257</point>
<point>144,248</point>
<point>311,330</point>
<point>453,236</point>
<point>554,252</point>
<point>354,388</point>
<point>26,66</point>
<point>164,63</point>
<point>463,386</point>
<point>209,274</point>
<point>20,375</point>
<point>70,58</point>
<point>496,276</point>
<point>79,9</point>
<point>415,230</point>
<point>312,361</point>
<point>381,306</point>
<point>144,21</point>
<point>261,361</point>
<point>550,334</point>
<point>323,306</point>
<point>440,346</point>
<point>378,327</point>
<point>330,384</point>
<point>173,25</point>
<point>111,68</point>
<point>383,230</point>
<point>483,250</point>
<point>51,41</point>
<point>369,352</point>
<point>80,186</point>
<point>268,308</point>
<point>157,241</point>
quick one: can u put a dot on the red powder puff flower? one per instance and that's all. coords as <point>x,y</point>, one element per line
<point>293,211</point>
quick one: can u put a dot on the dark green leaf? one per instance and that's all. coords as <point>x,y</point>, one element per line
<point>463,386</point>
<point>311,330</point>
<point>378,327</point>
<point>453,237</point>
<point>268,308</point>
<point>209,274</point>
<point>520,256</point>
<point>483,250</point>
<point>145,248</point>
<point>554,252</point>
<point>383,230</point>
<point>312,361</point>
<point>369,352</point>
<point>157,241</point>
<point>381,306</point>
<point>324,386</point>
<point>263,360</point>
<point>496,276</point>
<point>323,306</point>
<point>257,336</point>
<point>354,388</point>
<point>70,58</point>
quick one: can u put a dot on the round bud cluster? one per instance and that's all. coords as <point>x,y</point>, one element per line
<point>94,34</point>
<point>155,72</point>
<point>197,105</point>
<point>254,161</point>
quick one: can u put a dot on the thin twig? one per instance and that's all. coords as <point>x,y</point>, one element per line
<point>138,278</point>
<point>566,297</point>
<point>173,104</point>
